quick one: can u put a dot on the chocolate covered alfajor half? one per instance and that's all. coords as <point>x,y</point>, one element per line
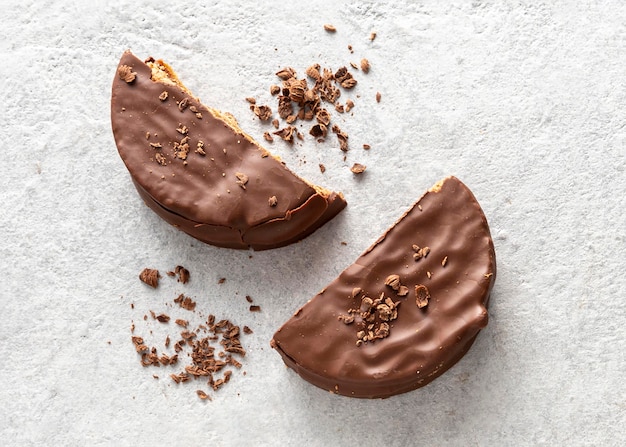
<point>200,172</point>
<point>407,309</point>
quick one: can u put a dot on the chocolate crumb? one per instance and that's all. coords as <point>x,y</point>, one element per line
<point>126,73</point>
<point>263,112</point>
<point>444,261</point>
<point>365,65</point>
<point>249,299</point>
<point>322,168</point>
<point>274,89</point>
<point>268,137</point>
<point>185,302</point>
<point>349,105</point>
<point>181,322</point>
<point>182,105</point>
<point>163,318</point>
<point>330,28</point>
<point>247,330</point>
<point>251,100</point>
<point>242,179</point>
<point>160,159</point>
<point>377,96</point>
<point>150,277</point>
<point>183,274</point>
<point>255,308</point>
<point>273,201</point>
<point>221,280</point>
<point>367,147</point>
<point>286,73</point>
<point>421,295</point>
<point>163,96</point>
<point>393,281</point>
<point>202,395</point>
<point>372,35</point>
<point>358,168</point>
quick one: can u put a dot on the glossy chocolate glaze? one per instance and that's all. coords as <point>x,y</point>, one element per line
<point>202,195</point>
<point>422,343</point>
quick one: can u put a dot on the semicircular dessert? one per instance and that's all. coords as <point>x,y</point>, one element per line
<point>199,171</point>
<point>407,309</point>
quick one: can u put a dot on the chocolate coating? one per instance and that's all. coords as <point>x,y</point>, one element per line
<point>422,342</point>
<point>204,195</point>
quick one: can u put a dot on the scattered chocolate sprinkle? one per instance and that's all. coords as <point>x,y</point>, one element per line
<point>249,299</point>
<point>200,148</point>
<point>377,96</point>
<point>182,129</point>
<point>318,130</point>
<point>183,274</point>
<point>365,65</point>
<point>150,277</point>
<point>163,318</point>
<point>126,73</point>
<point>367,147</point>
<point>273,201</point>
<point>444,261</point>
<point>330,28</point>
<point>185,302</point>
<point>163,96</point>
<point>358,168</point>
<point>393,281</point>
<point>255,308</point>
<point>342,137</point>
<point>274,89</point>
<point>263,112</point>
<point>202,395</point>
<point>181,322</point>
<point>221,280</point>
<point>287,133</point>
<point>160,159</point>
<point>286,73</point>
<point>421,295</point>
<point>182,105</point>
<point>242,179</point>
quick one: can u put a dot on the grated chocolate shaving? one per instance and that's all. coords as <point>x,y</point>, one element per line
<point>126,73</point>
<point>150,277</point>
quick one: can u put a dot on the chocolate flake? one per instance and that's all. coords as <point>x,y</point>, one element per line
<point>182,129</point>
<point>250,100</point>
<point>367,147</point>
<point>185,302</point>
<point>183,274</point>
<point>286,73</point>
<point>322,168</point>
<point>358,168</point>
<point>421,296</point>
<point>372,35</point>
<point>242,179</point>
<point>268,137</point>
<point>163,318</point>
<point>263,112</point>
<point>365,65</point>
<point>156,145</point>
<point>150,277</point>
<point>182,105</point>
<point>393,281</point>
<point>126,73</point>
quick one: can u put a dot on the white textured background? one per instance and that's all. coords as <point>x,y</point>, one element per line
<point>524,103</point>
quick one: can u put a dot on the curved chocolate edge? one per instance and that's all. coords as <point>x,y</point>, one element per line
<point>231,238</point>
<point>422,343</point>
<point>203,194</point>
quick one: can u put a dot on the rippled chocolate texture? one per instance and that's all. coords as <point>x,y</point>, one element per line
<point>323,345</point>
<point>234,195</point>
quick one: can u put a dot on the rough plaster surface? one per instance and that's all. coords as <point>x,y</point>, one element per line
<point>525,103</point>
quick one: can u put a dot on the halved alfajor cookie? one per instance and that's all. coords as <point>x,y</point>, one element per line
<point>409,307</point>
<point>200,172</point>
